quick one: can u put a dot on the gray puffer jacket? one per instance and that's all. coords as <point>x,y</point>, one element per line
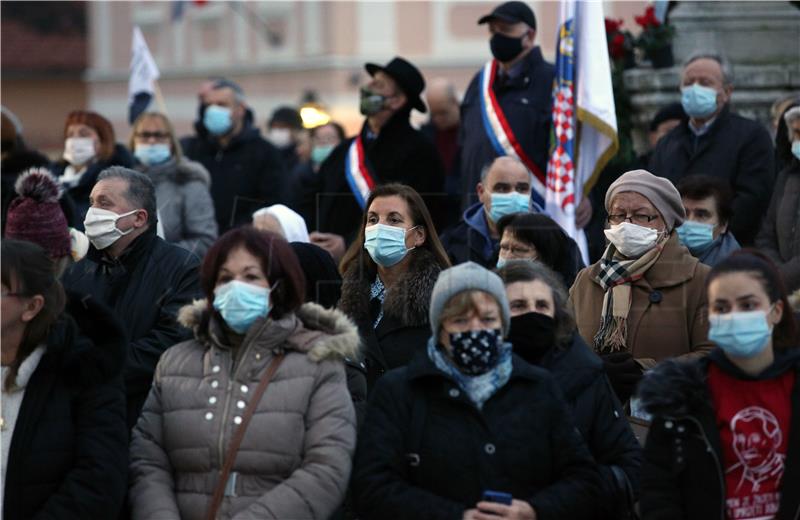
<point>185,208</point>
<point>294,461</point>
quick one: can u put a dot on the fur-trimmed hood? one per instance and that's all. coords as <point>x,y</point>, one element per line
<point>180,172</point>
<point>319,332</point>
<point>408,302</point>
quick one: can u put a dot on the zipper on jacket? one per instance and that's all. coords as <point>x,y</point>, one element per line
<point>717,464</point>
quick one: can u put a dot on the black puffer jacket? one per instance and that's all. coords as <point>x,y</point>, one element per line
<point>601,420</point>
<point>682,477</point>
<point>69,451</point>
<point>245,175</point>
<point>146,287</point>
<point>523,442</point>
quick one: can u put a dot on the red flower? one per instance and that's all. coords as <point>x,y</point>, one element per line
<point>613,26</point>
<point>648,20</point>
<point>617,46</point>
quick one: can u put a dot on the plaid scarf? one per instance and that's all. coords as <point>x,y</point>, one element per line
<point>616,275</point>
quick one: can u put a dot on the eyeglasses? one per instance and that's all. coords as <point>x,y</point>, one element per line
<point>152,135</point>
<point>637,218</point>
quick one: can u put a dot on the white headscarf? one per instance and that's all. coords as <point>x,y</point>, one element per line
<point>294,227</point>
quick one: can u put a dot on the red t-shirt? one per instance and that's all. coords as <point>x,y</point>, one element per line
<point>753,418</point>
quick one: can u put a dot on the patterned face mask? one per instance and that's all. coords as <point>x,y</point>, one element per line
<point>475,352</point>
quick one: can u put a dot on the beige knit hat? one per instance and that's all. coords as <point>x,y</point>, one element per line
<point>659,191</point>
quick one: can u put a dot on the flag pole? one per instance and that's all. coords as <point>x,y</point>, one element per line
<point>162,106</point>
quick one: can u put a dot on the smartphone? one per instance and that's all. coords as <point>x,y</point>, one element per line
<point>498,497</point>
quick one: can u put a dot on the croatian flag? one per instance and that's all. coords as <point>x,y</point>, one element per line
<point>584,135</point>
<point>143,75</point>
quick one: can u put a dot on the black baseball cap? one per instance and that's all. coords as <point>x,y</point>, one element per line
<point>511,12</point>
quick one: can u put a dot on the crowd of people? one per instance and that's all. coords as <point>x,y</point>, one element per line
<point>389,325</point>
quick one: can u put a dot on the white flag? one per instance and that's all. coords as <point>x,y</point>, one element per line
<point>143,75</point>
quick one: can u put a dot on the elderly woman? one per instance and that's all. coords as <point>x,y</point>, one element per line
<point>543,334</point>
<point>185,208</point>
<point>644,301</point>
<point>780,233</point>
<point>252,418</point>
<point>467,430</point>
<point>283,221</point>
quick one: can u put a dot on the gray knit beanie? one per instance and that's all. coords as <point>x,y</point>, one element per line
<point>467,277</point>
<point>659,191</point>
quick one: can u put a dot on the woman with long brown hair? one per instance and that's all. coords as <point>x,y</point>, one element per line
<point>388,275</point>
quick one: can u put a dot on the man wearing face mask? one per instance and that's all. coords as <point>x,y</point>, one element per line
<point>708,205</point>
<point>645,300</point>
<point>506,109</point>
<point>141,277</point>
<point>283,128</point>
<point>247,172</point>
<point>386,150</point>
<point>504,188</point>
<point>716,141</point>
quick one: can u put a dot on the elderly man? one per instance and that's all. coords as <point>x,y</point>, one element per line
<point>386,150</point>
<point>246,171</point>
<point>645,300</point>
<point>141,277</point>
<point>504,188</point>
<point>516,88</point>
<point>715,141</point>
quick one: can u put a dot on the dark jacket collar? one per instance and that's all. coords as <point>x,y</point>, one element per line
<point>137,250</point>
<point>396,125</point>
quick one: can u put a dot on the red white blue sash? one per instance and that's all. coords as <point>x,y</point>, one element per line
<point>357,173</point>
<point>499,130</point>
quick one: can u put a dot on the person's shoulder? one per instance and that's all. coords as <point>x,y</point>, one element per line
<point>176,256</point>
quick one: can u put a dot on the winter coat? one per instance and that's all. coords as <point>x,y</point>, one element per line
<point>735,149</point>
<point>720,250</point>
<point>294,460</point>
<point>146,286</point>
<point>81,191</point>
<point>398,154</point>
<point>69,448</point>
<point>668,313</point>
<point>469,240</point>
<point>427,452</point>
<point>246,175</point>
<point>780,233</point>
<point>682,477</point>
<point>525,100</point>
<point>601,420</point>
<point>185,208</point>
<point>404,329</point>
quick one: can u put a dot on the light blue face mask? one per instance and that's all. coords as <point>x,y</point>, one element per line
<point>697,236</point>
<point>241,304</point>
<point>217,119</point>
<point>507,203</point>
<point>740,334</point>
<point>386,244</point>
<point>320,153</point>
<point>698,101</point>
<point>152,154</point>
<point>796,149</point>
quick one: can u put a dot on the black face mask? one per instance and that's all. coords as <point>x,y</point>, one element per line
<point>505,48</point>
<point>532,335</point>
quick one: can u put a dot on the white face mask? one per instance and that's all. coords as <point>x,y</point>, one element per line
<point>79,150</point>
<point>632,240</point>
<point>101,227</point>
<point>280,137</point>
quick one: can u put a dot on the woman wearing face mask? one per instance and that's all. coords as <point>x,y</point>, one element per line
<point>644,301</point>
<point>89,148</point>
<point>543,333</point>
<point>258,353</point>
<point>467,418</point>
<point>186,211</point>
<point>533,236</point>
<point>388,275</point>
<point>779,237</point>
<point>726,429</point>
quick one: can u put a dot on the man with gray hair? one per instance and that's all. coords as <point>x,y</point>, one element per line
<point>141,277</point>
<point>715,141</point>
<point>247,172</point>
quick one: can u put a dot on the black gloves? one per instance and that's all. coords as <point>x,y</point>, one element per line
<point>623,372</point>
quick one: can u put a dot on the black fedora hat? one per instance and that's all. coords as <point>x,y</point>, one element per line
<point>407,76</point>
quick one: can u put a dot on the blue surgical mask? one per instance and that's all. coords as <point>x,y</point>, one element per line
<point>240,304</point>
<point>698,101</point>
<point>501,262</point>
<point>740,334</point>
<point>386,244</point>
<point>217,119</point>
<point>507,203</point>
<point>152,154</point>
<point>320,153</point>
<point>796,149</point>
<point>697,236</point>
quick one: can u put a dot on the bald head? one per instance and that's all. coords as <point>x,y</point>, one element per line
<point>443,103</point>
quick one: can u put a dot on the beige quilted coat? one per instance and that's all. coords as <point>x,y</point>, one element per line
<point>295,459</point>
